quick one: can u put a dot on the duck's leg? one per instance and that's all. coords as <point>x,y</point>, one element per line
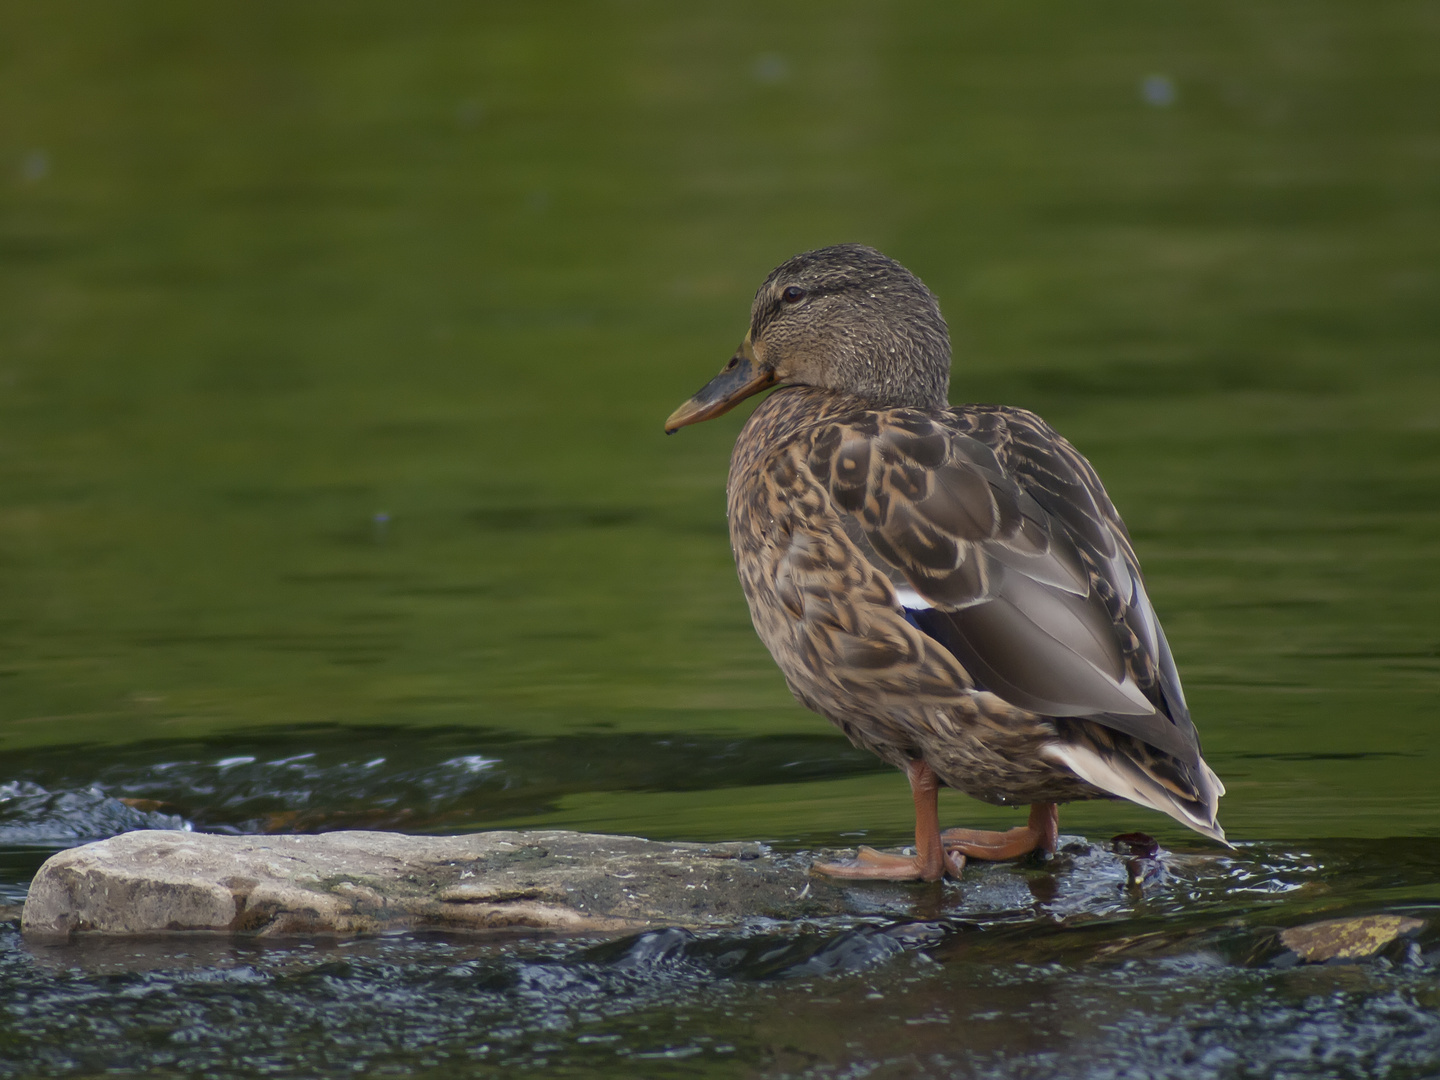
<point>1042,832</point>
<point>930,862</point>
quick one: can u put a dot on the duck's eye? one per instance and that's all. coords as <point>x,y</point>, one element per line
<point>792,293</point>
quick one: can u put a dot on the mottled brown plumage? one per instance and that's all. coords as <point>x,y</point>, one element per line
<point>952,587</point>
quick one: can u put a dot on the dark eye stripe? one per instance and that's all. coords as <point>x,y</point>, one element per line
<point>773,308</point>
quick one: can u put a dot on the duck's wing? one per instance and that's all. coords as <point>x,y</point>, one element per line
<point>1005,548</point>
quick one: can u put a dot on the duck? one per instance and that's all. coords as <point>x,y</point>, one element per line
<point>950,586</point>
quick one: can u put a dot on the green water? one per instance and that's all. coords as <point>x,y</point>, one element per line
<point>336,340</point>
<point>272,272</point>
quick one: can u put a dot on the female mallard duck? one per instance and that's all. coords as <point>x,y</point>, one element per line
<point>950,586</point>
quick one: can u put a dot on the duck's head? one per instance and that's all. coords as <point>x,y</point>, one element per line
<point>843,318</point>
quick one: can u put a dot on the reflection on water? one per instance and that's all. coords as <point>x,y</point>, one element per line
<point>326,777</point>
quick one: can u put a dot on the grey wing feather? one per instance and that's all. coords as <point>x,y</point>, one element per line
<point>1020,565</point>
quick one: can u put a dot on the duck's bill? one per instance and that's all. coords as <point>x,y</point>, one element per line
<point>743,375</point>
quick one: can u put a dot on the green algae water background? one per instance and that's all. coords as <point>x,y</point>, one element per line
<point>336,341</point>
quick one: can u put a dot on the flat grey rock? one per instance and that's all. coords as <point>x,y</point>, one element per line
<point>349,883</point>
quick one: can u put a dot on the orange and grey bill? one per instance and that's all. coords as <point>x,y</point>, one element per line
<point>743,376</point>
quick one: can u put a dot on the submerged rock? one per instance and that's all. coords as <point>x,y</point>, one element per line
<point>368,882</point>
<point>1347,939</point>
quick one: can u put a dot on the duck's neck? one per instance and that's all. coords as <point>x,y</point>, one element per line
<point>786,412</point>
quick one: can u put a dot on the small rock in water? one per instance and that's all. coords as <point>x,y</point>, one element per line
<point>1143,867</point>
<point>1347,939</point>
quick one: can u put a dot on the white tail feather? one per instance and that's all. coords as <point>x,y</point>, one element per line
<point>1215,780</point>
<point>1120,776</point>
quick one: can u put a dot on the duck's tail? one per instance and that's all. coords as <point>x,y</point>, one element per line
<point>1133,770</point>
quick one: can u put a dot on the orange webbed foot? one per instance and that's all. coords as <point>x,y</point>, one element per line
<point>1041,832</point>
<point>873,865</point>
